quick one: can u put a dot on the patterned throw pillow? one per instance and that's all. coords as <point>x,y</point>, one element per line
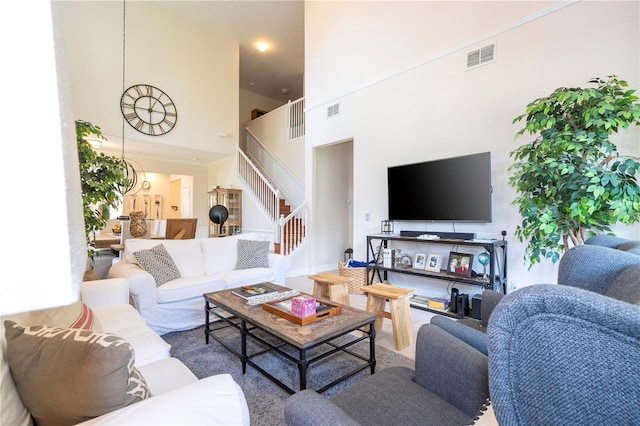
<point>93,373</point>
<point>252,254</point>
<point>158,262</point>
<point>75,315</point>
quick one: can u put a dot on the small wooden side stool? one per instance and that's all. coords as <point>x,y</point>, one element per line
<point>331,286</point>
<point>399,310</point>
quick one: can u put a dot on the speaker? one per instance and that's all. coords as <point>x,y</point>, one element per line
<point>476,306</point>
<point>462,305</point>
<point>454,300</point>
<point>445,235</point>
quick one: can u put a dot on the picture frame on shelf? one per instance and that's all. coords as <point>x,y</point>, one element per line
<point>433,262</point>
<point>460,264</point>
<point>419,260</point>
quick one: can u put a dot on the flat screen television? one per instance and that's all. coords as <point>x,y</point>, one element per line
<point>454,189</point>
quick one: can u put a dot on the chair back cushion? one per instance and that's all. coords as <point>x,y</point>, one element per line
<point>626,286</point>
<point>563,355</point>
<point>593,267</point>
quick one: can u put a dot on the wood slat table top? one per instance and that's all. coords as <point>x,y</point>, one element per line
<point>296,335</point>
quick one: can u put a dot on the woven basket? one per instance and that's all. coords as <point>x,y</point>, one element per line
<point>358,277</point>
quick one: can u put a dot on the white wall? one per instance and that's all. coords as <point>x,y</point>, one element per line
<point>405,96</point>
<point>250,101</point>
<point>198,69</point>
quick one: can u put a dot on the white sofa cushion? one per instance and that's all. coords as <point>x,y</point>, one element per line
<point>240,277</point>
<point>186,254</point>
<point>221,254</point>
<point>124,321</point>
<point>215,400</point>
<point>185,288</point>
<point>166,375</point>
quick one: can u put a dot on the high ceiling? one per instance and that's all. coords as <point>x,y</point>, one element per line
<point>279,23</point>
<point>276,73</point>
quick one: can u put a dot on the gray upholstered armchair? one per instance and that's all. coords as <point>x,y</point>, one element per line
<point>448,387</point>
<point>561,355</point>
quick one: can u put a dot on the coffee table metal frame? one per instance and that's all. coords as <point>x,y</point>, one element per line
<point>250,325</point>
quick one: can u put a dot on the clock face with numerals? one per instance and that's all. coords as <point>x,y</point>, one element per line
<point>148,109</point>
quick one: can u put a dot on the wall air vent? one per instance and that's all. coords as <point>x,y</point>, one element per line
<point>481,56</point>
<point>333,110</point>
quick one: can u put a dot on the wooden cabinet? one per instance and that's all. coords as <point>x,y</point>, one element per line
<point>232,200</point>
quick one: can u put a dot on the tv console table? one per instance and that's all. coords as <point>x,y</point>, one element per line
<point>497,276</point>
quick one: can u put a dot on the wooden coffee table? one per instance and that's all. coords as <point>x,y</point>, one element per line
<point>254,322</point>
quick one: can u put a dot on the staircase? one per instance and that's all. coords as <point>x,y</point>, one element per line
<point>289,226</point>
<point>292,226</point>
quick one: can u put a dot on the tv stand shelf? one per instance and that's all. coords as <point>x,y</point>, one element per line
<point>497,249</point>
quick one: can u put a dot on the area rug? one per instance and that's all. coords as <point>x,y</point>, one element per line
<point>265,398</point>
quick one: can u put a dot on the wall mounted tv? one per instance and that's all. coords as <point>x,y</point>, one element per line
<point>454,189</point>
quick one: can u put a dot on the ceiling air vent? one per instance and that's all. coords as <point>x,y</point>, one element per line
<point>333,110</point>
<point>481,56</point>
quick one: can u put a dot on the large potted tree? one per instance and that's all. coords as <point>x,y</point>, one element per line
<point>101,178</point>
<point>571,181</point>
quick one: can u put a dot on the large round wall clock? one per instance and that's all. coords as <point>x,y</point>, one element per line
<point>148,109</point>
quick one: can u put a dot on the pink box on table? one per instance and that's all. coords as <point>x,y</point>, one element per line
<point>303,306</point>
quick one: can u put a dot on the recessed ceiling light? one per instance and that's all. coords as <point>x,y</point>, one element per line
<point>262,46</point>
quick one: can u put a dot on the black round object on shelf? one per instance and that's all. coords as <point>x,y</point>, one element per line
<point>218,215</point>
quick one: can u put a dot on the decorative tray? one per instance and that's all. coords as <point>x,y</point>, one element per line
<point>282,309</point>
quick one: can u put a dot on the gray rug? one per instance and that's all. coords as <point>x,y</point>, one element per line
<point>265,398</point>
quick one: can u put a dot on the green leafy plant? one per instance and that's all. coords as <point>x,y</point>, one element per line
<point>570,180</point>
<point>101,176</point>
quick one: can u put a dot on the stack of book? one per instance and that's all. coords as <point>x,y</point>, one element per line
<point>437,303</point>
<point>253,291</point>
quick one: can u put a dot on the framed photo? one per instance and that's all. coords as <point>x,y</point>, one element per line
<point>419,261</point>
<point>460,264</point>
<point>433,262</point>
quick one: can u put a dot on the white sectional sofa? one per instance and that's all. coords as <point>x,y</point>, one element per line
<point>205,265</point>
<point>177,396</point>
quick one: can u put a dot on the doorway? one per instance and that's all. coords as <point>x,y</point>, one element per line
<point>333,206</point>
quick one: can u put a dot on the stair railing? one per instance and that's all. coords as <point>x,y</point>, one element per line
<point>263,193</point>
<point>293,229</point>
<point>296,118</point>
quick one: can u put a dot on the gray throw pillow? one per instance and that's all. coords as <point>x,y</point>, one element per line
<point>158,262</point>
<point>67,375</point>
<point>252,254</point>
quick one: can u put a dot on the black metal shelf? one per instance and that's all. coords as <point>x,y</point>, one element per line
<point>497,278</point>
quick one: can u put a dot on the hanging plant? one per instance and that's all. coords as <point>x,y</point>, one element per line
<point>101,176</point>
<point>571,180</point>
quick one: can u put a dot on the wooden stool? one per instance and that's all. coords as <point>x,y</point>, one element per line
<point>400,312</point>
<point>332,287</point>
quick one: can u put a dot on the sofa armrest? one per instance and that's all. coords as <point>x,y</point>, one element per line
<point>470,336</point>
<point>214,400</point>
<point>142,286</point>
<point>280,266</point>
<point>107,292</point>
<point>309,408</point>
<point>451,369</point>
